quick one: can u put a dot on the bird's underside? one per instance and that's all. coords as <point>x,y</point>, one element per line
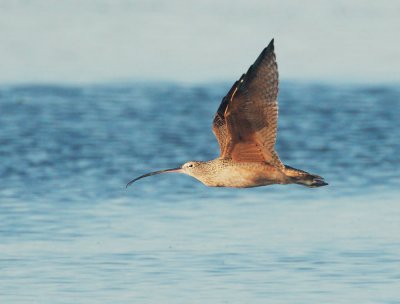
<point>245,126</point>
<point>241,174</point>
<point>228,173</point>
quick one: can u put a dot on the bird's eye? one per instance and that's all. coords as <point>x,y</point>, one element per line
<point>190,166</point>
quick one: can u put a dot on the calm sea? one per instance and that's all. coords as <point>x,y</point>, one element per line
<point>71,233</point>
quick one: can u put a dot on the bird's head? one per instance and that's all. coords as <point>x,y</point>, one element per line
<point>191,168</point>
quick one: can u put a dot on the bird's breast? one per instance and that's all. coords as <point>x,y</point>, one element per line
<point>243,175</point>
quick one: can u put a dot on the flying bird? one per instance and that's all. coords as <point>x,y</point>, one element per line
<point>245,126</point>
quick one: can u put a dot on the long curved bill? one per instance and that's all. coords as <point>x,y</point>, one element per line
<point>153,173</point>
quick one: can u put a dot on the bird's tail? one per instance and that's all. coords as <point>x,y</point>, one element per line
<point>304,178</point>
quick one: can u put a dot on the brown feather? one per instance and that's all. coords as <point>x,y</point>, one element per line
<point>251,114</point>
<point>219,124</point>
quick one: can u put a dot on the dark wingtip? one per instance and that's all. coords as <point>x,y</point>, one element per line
<point>268,50</point>
<point>271,44</point>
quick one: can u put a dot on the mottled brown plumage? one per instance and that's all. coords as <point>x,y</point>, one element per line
<point>245,126</point>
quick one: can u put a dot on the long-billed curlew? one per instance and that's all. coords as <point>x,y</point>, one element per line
<point>245,126</point>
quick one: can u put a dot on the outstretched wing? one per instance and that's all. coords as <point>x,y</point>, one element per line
<point>251,113</point>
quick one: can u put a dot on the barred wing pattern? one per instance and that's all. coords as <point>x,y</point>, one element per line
<point>219,123</point>
<point>251,114</point>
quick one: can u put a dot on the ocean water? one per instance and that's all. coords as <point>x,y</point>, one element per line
<point>71,233</point>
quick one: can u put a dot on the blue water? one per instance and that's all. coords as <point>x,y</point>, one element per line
<point>71,233</point>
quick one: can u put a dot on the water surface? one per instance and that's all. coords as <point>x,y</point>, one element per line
<point>71,232</point>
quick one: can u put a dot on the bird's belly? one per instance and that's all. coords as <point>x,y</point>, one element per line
<point>243,177</point>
